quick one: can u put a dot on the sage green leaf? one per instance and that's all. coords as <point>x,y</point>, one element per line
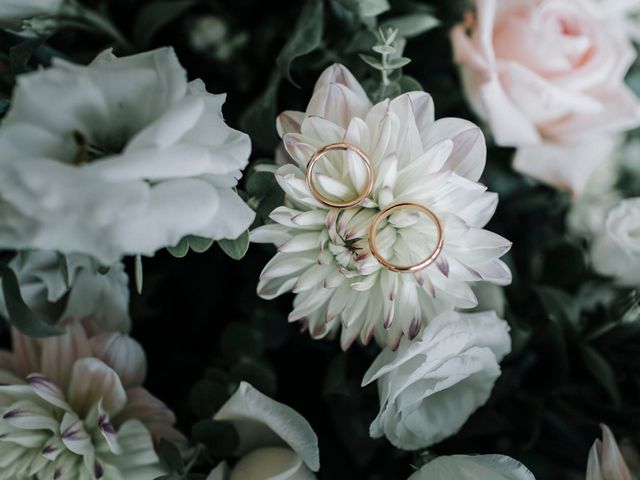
<point>221,438</point>
<point>154,16</point>
<point>410,84</point>
<point>170,456</point>
<point>395,63</point>
<point>20,315</point>
<point>372,61</point>
<point>139,274</point>
<point>560,306</point>
<point>305,38</point>
<point>237,248</point>
<point>199,244</point>
<point>181,249</point>
<point>601,371</point>
<point>413,24</point>
<point>372,8</point>
<point>258,119</point>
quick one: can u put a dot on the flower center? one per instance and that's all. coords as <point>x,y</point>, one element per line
<point>90,151</point>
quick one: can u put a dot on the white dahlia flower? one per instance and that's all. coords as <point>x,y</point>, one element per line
<point>72,408</point>
<point>473,467</point>
<point>122,156</point>
<point>430,386</point>
<point>323,253</point>
<point>83,293</point>
<point>276,442</point>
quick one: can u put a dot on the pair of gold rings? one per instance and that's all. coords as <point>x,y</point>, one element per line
<point>373,228</point>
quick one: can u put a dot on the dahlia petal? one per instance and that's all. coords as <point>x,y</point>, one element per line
<point>338,104</point>
<point>123,354</point>
<point>289,121</point>
<point>48,391</point>
<point>92,381</point>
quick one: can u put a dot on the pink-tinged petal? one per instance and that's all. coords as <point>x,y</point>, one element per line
<point>289,122</point>
<point>565,166</point>
<point>339,74</point>
<point>60,353</point>
<point>124,355</point>
<point>263,422</point>
<point>26,351</point>
<point>92,381</point>
<point>469,153</point>
<point>605,459</point>
<point>338,104</point>
<point>48,391</point>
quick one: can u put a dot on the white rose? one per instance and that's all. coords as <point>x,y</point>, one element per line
<point>476,467</point>
<point>431,385</point>
<point>616,251</point>
<point>119,157</point>
<point>19,9</point>
<point>276,442</point>
<point>88,293</point>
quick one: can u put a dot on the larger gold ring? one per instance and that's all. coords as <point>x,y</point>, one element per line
<point>394,267</point>
<point>321,153</point>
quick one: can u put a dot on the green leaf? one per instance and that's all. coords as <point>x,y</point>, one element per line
<point>410,84</point>
<point>335,380</point>
<point>372,8</point>
<point>560,306</point>
<point>260,184</point>
<point>384,49</point>
<point>305,38</point>
<point>154,16</point>
<point>64,269</point>
<point>20,315</point>
<point>257,120</point>
<point>19,55</point>
<point>139,274</point>
<point>199,244</point>
<point>170,457</point>
<point>181,249</point>
<point>237,248</point>
<point>206,397</point>
<point>221,438</point>
<point>372,61</point>
<point>413,24</point>
<point>260,375</point>
<point>396,63</point>
<point>601,371</point>
<point>240,341</point>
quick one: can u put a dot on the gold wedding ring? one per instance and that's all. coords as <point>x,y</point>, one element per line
<point>394,267</point>
<point>324,151</point>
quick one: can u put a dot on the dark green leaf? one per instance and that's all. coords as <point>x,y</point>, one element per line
<point>305,38</point>
<point>372,8</point>
<point>410,84</point>
<point>258,119</point>
<point>171,476</point>
<point>335,380</point>
<point>170,457</point>
<point>560,306</point>
<point>601,370</point>
<point>240,341</point>
<point>206,397</point>
<point>260,375</point>
<point>19,55</point>
<point>154,16</point>
<point>220,438</point>
<point>199,244</point>
<point>260,184</point>
<point>371,61</point>
<point>20,315</point>
<point>237,248</point>
<point>412,25</point>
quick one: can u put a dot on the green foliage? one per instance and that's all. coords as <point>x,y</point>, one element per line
<point>190,242</point>
<point>236,248</point>
<point>220,438</point>
<point>19,314</point>
<point>305,37</point>
<point>152,17</point>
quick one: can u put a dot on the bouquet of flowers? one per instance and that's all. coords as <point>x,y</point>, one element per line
<point>319,239</point>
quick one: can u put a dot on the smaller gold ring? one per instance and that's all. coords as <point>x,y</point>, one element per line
<point>373,232</point>
<point>321,153</point>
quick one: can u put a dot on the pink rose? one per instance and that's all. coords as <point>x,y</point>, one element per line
<point>548,77</point>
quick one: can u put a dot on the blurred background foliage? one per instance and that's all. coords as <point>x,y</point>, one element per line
<point>576,356</point>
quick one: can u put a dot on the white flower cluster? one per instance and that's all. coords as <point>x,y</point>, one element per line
<point>324,256</point>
